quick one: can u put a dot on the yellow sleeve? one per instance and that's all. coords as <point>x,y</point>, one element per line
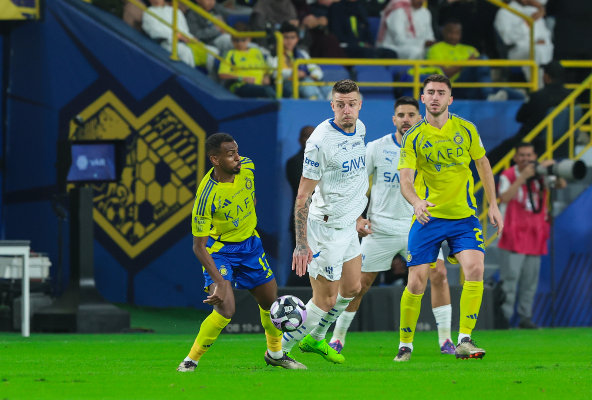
<point>476,149</point>
<point>201,216</point>
<point>247,163</point>
<point>408,158</point>
<point>225,66</point>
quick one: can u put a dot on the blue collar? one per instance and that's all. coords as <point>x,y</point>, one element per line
<point>334,125</point>
<point>395,140</point>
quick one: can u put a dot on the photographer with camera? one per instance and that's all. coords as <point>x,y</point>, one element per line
<point>523,197</point>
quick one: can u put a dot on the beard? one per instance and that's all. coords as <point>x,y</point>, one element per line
<point>346,124</point>
<point>439,112</point>
<point>404,129</point>
<point>232,171</point>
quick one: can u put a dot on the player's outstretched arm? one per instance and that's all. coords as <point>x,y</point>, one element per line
<point>484,170</point>
<point>420,207</point>
<point>302,254</point>
<point>199,248</point>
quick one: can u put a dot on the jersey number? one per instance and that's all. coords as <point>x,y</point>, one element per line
<point>265,265</point>
<point>479,237</point>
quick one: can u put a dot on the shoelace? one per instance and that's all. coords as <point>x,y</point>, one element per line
<point>471,341</point>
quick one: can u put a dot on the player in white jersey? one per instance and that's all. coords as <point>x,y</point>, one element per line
<point>391,215</point>
<point>328,222</point>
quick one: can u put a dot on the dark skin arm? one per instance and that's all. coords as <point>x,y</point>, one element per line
<point>199,248</point>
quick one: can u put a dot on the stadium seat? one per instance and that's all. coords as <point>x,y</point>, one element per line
<point>234,18</point>
<point>374,23</point>
<point>334,73</point>
<point>375,74</point>
<point>511,74</point>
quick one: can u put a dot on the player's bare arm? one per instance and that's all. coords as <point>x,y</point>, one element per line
<point>484,170</point>
<point>420,207</point>
<point>199,248</point>
<point>302,254</point>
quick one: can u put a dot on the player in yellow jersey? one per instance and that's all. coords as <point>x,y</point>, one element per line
<point>229,249</point>
<point>439,149</point>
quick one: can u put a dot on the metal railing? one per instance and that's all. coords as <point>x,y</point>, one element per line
<point>279,83</point>
<point>551,144</point>
<point>416,84</point>
<point>416,71</point>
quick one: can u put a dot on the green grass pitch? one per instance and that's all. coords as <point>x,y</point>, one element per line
<point>545,364</point>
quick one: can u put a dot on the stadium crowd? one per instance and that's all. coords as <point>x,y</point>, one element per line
<point>404,29</point>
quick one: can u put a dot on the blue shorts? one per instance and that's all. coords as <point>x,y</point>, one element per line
<point>425,240</point>
<point>243,262</point>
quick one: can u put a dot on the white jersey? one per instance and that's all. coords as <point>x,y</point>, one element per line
<point>389,212</point>
<point>338,161</point>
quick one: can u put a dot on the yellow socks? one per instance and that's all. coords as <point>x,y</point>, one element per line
<point>273,334</point>
<point>410,307</point>
<point>208,333</point>
<point>470,303</point>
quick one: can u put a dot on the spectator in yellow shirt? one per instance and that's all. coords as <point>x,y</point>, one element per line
<point>452,49</point>
<point>245,72</point>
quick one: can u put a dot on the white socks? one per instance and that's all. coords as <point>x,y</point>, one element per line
<point>313,316</point>
<point>410,345</point>
<point>443,315</point>
<point>317,323</point>
<point>343,323</point>
<point>321,329</point>
<point>275,354</point>
<point>189,359</point>
<point>461,336</point>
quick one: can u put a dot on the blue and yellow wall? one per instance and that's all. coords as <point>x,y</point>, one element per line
<point>82,62</point>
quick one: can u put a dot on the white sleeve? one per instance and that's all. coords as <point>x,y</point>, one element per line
<point>154,28</point>
<point>315,159</point>
<point>430,36</point>
<point>398,23</point>
<point>505,25</point>
<point>504,185</point>
<point>541,31</point>
<point>314,70</point>
<point>370,158</point>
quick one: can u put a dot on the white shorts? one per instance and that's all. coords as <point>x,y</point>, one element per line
<point>331,247</point>
<point>378,251</point>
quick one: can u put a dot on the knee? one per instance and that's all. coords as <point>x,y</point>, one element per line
<point>417,282</point>
<point>226,310</point>
<point>364,286</point>
<point>352,291</point>
<point>474,271</point>
<point>438,277</point>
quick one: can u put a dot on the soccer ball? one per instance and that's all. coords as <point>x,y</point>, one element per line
<point>288,313</point>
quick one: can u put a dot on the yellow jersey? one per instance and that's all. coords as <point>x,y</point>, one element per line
<point>448,52</point>
<point>226,211</point>
<point>252,58</point>
<point>441,158</point>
